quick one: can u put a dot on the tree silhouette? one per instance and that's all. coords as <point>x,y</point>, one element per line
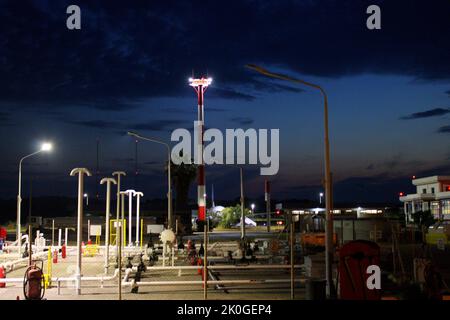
<point>182,177</point>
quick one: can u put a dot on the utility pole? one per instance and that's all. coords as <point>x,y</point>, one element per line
<point>267,196</point>
<point>135,163</point>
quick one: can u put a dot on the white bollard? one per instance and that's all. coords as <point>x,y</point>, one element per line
<point>59,237</point>
<point>138,221</point>
<point>130,194</point>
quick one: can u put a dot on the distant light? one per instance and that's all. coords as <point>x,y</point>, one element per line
<point>413,177</point>
<point>401,194</point>
<point>253,206</point>
<point>46,146</point>
<point>85,195</point>
<point>321,194</point>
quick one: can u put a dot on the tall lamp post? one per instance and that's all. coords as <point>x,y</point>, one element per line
<point>169,178</point>
<point>327,179</point>
<point>200,86</point>
<point>46,147</point>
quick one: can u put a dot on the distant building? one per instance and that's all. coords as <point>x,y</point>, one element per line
<point>432,194</point>
<point>358,212</point>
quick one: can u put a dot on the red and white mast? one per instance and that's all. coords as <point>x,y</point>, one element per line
<point>200,86</point>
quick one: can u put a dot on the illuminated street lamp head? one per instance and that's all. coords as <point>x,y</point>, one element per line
<point>204,82</point>
<point>321,194</point>
<point>46,147</point>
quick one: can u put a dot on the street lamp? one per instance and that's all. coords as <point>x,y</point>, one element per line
<point>327,178</point>
<point>320,197</point>
<point>87,199</point>
<point>253,207</point>
<point>45,147</point>
<point>169,179</point>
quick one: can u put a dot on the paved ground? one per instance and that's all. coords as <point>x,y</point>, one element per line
<point>93,266</point>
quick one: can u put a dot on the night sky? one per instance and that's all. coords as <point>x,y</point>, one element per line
<point>128,69</point>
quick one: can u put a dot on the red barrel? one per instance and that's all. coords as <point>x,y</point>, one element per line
<point>63,251</point>
<point>55,256</point>
<point>2,276</point>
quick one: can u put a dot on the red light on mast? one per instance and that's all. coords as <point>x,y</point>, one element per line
<point>401,194</point>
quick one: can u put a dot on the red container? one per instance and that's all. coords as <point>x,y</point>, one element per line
<point>3,233</point>
<point>34,284</point>
<point>354,258</point>
<point>2,276</point>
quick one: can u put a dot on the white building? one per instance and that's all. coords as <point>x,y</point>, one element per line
<point>433,194</point>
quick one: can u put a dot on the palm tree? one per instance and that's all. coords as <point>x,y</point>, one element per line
<point>182,177</point>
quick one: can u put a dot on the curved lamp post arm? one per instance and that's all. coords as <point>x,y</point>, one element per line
<point>283,77</point>
<point>133,134</point>
<point>169,178</point>
<point>30,155</point>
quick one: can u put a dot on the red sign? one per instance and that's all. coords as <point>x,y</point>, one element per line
<point>3,233</point>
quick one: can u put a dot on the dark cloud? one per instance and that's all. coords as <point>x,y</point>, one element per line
<point>4,118</point>
<point>190,110</point>
<point>122,129</point>
<point>243,121</point>
<point>158,125</point>
<point>444,129</point>
<point>151,163</point>
<point>122,161</point>
<point>99,124</point>
<point>128,52</point>
<point>230,94</point>
<point>436,112</point>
